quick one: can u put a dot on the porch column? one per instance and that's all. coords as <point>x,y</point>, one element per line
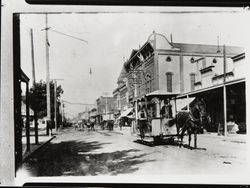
<point>175,110</point>
<point>225,109</point>
<point>224,91</point>
<point>136,110</point>
<point>27,118</point>
<point>158,109</point>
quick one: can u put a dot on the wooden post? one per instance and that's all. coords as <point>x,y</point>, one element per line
<point>18,122</point>
<point>27,118</point>
<point>158,109</point>
<point>62,113</point>
<point>224,91</point>
<point>175,111</point>
<point>55,86</point>
<point>136,110</point>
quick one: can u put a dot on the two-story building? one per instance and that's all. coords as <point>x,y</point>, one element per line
<point>222,86</point>
<point>121,94</point>
<point>190,70</point>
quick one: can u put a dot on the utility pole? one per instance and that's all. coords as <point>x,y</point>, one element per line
<point>55,86</point>
<point>34,82</point>
<point>106,103</point>
<point>55,102</point>
<point>47,68</point>
<point>62,113</point>
<point>32,56</point>
<point>47,63</point>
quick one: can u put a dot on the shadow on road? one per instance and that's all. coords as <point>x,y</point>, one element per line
<point>74,158</point>
<point>167,143</point>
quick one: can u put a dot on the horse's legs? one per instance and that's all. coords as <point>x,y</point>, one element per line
<point>195,139</point>
<point>189,138</point>
<point>178,132</point>
<point>182,135</point>
<point>181,142</point>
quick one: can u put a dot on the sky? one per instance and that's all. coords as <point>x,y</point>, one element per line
<point>111,38</point>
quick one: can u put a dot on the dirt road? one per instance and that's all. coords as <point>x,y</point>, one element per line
<point>114,153</point>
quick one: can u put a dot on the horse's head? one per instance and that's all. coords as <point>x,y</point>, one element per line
<point>198,108</point>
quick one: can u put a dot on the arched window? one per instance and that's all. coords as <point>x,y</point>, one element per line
<point>169,76</point>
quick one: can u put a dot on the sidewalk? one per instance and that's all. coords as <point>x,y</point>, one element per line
<point>43,139</point>
<point>230,137</point>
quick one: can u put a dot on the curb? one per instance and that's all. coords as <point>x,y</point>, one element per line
<point>37,149</point>
<point>227,138</point>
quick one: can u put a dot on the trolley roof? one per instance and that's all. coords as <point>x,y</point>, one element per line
<point>162,94</point>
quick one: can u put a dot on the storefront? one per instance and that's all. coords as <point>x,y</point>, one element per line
<point>235,105</point>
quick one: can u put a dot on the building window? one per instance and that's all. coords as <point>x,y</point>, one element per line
<point>192,81</point>
<point>148,83</point>
<point>168,59</point>
<point>204,62</point>
<point>169,76</point>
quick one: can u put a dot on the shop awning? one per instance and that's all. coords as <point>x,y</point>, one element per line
<point>193,93</point>
<point>181,103</point>
<point>126,113</point>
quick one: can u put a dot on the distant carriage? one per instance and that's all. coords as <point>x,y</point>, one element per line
<point>107,124</point>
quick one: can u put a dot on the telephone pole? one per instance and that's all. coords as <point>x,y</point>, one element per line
<point>47,68</point>
<point>47,62</point>
<point>34,82</point>
<point>62,113</point>
<point>55,102</point>
<point>55,86</point>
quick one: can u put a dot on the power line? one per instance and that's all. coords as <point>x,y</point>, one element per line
<point>67,35</point>
<point>77,103</point>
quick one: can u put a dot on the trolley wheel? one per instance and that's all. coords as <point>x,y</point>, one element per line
<point>157,139</point>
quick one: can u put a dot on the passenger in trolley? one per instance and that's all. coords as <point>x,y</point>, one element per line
<point>142,120</point>
<point>167,115</point>
<point>166,111</point>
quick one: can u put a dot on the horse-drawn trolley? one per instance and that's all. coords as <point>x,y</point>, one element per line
<point>157,117</point>
<point>157,108</point>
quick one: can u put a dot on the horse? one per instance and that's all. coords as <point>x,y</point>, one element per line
<point>191,121</point>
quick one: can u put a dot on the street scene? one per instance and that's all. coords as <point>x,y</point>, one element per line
<point>130,94</point>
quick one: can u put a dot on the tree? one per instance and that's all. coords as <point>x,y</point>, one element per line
<point>38,99</point>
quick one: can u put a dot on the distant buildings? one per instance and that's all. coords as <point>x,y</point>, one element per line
<point>105,108</point>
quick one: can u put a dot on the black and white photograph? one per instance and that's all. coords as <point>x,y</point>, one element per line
<point>130,95</point>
